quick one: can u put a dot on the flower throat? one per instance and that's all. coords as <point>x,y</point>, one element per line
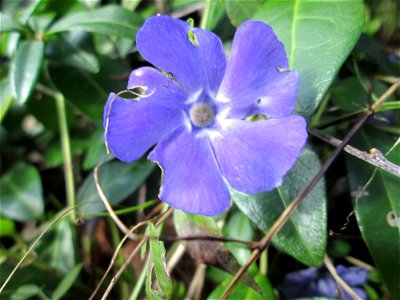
<point>202,114</point>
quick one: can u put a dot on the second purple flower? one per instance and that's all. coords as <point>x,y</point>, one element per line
<point>197,120</point>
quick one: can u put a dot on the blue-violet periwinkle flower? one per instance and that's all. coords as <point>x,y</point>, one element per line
<point>314,282</point>
<point>196,114</point>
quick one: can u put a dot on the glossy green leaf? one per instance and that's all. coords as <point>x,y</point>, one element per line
<point>157,252</point>
<point>118,180</point>
<point>111,20</point>
<point>377,205</point>
<point>7,227</point>
<point>304,235</point>
<point>57,248</point>
<point>8,23</point>
<point>25,68</point>
<point>240,11</point>
<point>318,37</point>
<point>67,282</point>
<point>21,193</point>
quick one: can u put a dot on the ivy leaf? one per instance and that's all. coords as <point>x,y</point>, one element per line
<point>21,193</point>
<point>25,68</point>
<point>318,37</point>
<point>377,205</point>
<point>304,235</point>
<point>111,20</point>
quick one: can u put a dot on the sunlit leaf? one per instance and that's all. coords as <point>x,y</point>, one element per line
<point>318,37</point>
<point>21,193</point>
<point>377,205</point>
<point>304,235</point>
<point>25,68</point>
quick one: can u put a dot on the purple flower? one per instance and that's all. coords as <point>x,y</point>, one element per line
<point>314,282</point>
<point>196,115</point>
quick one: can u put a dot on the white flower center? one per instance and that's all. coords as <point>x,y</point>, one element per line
<point>202,114</point>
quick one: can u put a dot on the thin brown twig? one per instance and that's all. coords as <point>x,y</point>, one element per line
<point>113,259</point>
<point>286,214</point>
<point>161,219</point>
<point>107,204</point>
<point>58,218</point>
<point>340,282</point>
<point>374,158</point>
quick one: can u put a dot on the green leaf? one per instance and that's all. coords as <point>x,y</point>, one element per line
<point>81,89</point>
<point>240,11</point>
<point>37,274</point>
<point>318,37</point>
<point>351,96</point>
<point>76,49</point>
<point>5,97</point>
<point>239,227</point>
<point>304,235</point>
<point>157,252</point>
<point>111,20</point>
<point>8,23</point>
<point>25,68</point>
<point>57,247</point>
<point>26,292</point>
<point>96,150</point>
<point>376,196</point>
<point>213,13</point>
<point>7,227</point>
<point>67,282</point>
<point>21,193</point>
<point>242,291</point>
<point>118,180</point>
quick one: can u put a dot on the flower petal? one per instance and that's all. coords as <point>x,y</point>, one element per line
<point>192,181</point>
<point>254,156</point>
<point>256,79</point>
<point>132,127</point>
<point>164,42</point>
